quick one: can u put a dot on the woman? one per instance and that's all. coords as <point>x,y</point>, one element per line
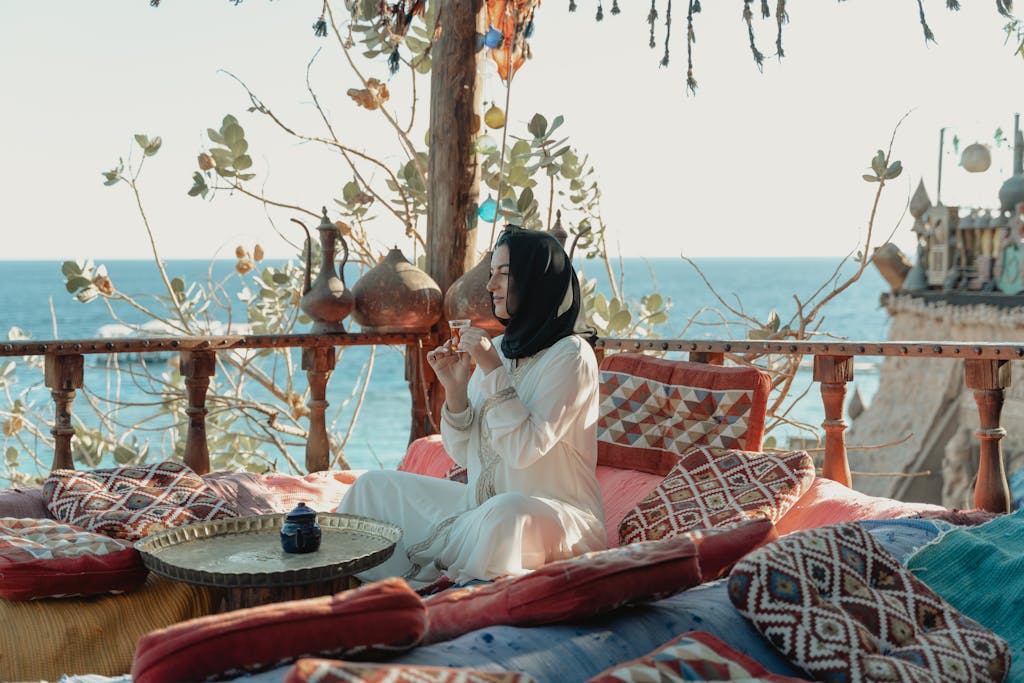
<point>523,424</point>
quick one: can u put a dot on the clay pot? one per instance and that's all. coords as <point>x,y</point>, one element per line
<point>396,296</point>
<point>468,298</point>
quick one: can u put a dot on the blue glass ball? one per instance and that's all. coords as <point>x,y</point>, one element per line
<point>488,210</point>
<point>494,38</point>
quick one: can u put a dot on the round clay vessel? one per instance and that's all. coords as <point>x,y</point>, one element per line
<point>468,298</point>
<point>396,296</point>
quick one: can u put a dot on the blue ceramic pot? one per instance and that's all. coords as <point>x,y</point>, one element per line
<point>300,533</point>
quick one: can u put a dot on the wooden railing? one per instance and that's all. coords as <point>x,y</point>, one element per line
<point>986,372</point>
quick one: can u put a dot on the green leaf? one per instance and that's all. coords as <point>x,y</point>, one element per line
<point>233,133</point>
<point>178,284</point>
<point>76,283</point>
<point>215,136</point>
<point>239,147</point>
<point>11,455</point>
<point>422,64</point>
<point>69,268</point>
<point>153,147</point>
<point>525,200</point>
<point>658,318</point>
<point>417,46</point>
<point>894,170</point>
<point>620,320</point>
<point>770,442</point>
<point>280,278</point>
<point>246,176</point>
<point>228,121</point>
<point>142,140</point>
<point>870,178</point>
<point>243,162</point>
<point>538,125</point>
<point>654,302</point>
<point>199,187</point>
<point>878,163</point>
<point>558,121</point>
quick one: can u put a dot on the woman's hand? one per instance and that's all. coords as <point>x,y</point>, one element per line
<point>477,343</point>
<point>452,370</point>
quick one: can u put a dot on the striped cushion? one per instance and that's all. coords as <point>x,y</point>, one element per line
<point>91,635</point>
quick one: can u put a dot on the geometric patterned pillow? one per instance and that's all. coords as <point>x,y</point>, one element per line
<point>132,502</point>
<point>694,656</point>
<point>712,487</point>
<point>42,558</point>
<point>654,410</point>
<point>457,473</point>
<point>838,604</point>
<point>337,671</point>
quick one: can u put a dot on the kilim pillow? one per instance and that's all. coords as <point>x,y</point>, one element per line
<point>41,558</point>
<point>838,604</point>
<point>335,671</point>
<point>712,487</point>
<point>593,583</point>
<point>694,656</point>
<point>653,410</point>
<point>381,615</point>
<point>131,502</point>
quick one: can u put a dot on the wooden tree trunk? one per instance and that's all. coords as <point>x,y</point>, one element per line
<point>454,178</point>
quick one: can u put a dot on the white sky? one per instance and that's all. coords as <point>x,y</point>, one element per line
<point>755,165</point>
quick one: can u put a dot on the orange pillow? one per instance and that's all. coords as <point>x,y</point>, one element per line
<point>335,671</point>
<point>385,614</point>
<point>596,582</point>
<point>654,410</point>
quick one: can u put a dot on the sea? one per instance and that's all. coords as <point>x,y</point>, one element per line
<point>36,303</point>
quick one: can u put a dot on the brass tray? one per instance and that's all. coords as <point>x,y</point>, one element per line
<point>245,552</point>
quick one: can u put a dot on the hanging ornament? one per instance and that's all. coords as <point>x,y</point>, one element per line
<point>494,38</point>
<point>976,158</point>
<point>495,117</point>
<point>485,144</point>
<point>488,210</point>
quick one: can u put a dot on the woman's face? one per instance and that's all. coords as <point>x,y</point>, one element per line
<point>498,284</point>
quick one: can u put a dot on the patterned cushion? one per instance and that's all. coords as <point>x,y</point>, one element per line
<point>131,502</point>
<point>42,558</point>
<point>694,656</point>
<point>837,603</point>
<point>335,671</point>
<point>712,487</point>
<point>457,473</point>
<point>594,583</point>
<point>654,410</point>
<point>384,615</point>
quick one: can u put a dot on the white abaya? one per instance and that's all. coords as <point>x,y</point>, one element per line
<point>529,443</point>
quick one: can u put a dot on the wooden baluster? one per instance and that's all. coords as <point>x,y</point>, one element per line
<point>318,362</point>
<point>197,367</point>
<point>63,375</point>
<point>420,377</point>
<point>833,372</point>
<point>709,357</point>
<point>989,379</point>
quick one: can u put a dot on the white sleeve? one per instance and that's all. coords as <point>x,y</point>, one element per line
<point>522,433</point>
<point>455,432</point>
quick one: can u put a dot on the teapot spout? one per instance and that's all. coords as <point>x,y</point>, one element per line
<point>307,280</point>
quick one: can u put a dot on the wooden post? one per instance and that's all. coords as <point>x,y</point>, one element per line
<point>453,190</point>
<point>833,372</point>
<point>709,357</point>
<point>63,375</point>
<point>989,379</point>
<point>197,367</point>
<point>318,363</point>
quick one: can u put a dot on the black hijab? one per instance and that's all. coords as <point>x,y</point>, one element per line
<point>543,292</point>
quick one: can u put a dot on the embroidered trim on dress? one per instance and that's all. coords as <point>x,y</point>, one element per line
<point>444,527</point>
<point>459,425</point>
<point>489,457</point>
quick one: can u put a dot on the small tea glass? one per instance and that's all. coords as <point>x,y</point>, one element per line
<point>456,327</point>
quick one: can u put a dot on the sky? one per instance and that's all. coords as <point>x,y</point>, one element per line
<point>755,164</point>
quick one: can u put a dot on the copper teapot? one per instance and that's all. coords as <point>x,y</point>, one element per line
<point>326,299</point>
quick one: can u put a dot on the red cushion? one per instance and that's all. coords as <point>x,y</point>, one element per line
<point>426,455</point>
<point>595,582</point>
<point>827,502</point>
<point>712,487</point>
<point>385,614</point>
<point>335,671</point>
<point>41,558</point>
<point>839,605</point>
<point>621,491</point>
<point>654,410</point>
<point>694,656</point>
<point>131,502</point>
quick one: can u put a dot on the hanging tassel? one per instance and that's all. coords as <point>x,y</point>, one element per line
<point>394,61</point>
<point>320,27</point>
<point>668,31</point>
<point>748,17</point>
<point>652,17</point>
<point>615,7</point>
<point>928,35</point>
<point>600,11</point>
<point>691,38</point>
